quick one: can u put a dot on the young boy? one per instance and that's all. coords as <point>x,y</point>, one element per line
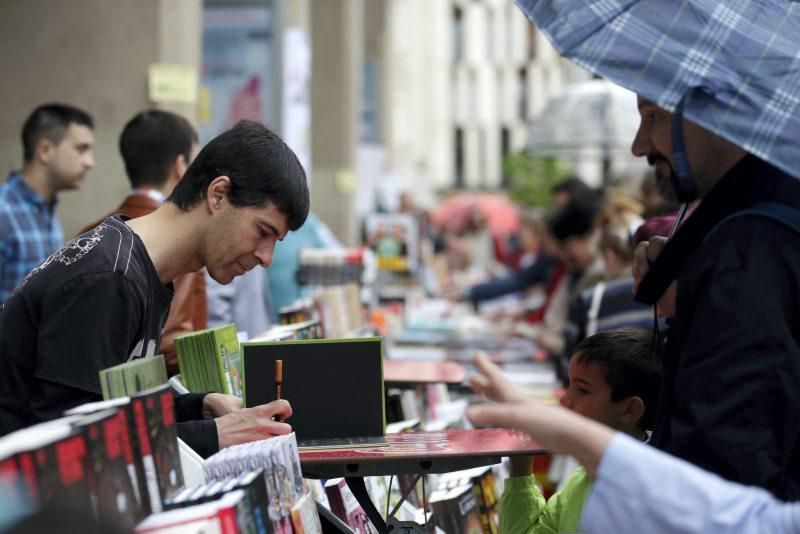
<point>614,379</point>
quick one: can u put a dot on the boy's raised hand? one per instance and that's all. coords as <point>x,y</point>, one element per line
<point>494,385</point>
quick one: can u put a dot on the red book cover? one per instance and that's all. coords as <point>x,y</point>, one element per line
<point>28,469</point>
<point>154,417</point>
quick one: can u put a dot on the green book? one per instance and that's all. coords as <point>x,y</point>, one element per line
<point>132,377</point>
<point>210,360</point>
<point>229,359</point>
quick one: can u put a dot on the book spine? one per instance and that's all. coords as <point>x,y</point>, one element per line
<point>224,367</point>
<point>145,448</point>
<point>28,468</point>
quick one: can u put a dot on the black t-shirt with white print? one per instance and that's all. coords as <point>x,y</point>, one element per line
<point>95,303</point>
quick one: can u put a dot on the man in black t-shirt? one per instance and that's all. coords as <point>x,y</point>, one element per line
<point>103,297</point>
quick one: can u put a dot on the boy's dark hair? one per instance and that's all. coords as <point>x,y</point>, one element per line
<point>576,219</point>
<point>631,367</point>
<point>50,121</point>
<point>149,144</point>
<point>262,169</point>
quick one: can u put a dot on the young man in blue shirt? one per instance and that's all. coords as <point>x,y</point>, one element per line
<point>57,145</point>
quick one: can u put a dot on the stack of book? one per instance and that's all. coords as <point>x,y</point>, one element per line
<point>284,332</point>
<point>466,500</point>
<point>300,311</point>
<point>322,267</point>
<point>132,377</point>
<point>340,310</point>
<point>116,458</point>
<point>290,505</point>
<point>210,360</point>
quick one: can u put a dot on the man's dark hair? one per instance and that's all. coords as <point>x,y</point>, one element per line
<point>262,169</point>
<point>575,219</point>
<point>149,144</point>
<point>50,121</point>
<point>632,369</point>
<point>575,189</point>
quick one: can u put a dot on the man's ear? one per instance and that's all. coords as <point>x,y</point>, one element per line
<point>179,167</point>
<point>217,192</point>
<point>44,151</point>
<point>632,410</point>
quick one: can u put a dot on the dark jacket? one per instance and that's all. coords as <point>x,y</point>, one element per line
<point>730,399</point>
<point>539,272</point>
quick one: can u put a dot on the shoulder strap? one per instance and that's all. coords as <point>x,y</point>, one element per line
<point>785,214</point>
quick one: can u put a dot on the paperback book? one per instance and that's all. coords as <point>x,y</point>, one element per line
<point>210,360</point>
<point>133,376</point>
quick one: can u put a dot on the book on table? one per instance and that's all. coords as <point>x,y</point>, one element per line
<point>335,387</point>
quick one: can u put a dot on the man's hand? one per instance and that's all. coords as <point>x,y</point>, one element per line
<point>493,383</point>
<point>251,424</point>
<point>452,293</point>
<point>646,253</point>
<point>216,405</point>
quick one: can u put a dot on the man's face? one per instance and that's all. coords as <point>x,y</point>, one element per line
<point>654,141</point>
<point>242,238</point>
<point>578,252</point>
<point>589,394</point>
<point>68,161</point>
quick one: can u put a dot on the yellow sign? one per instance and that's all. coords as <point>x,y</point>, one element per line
<point>204,105</point>
<point>172,83</point>
<point>346,181</point>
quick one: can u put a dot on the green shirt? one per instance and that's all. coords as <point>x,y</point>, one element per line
<point>523,508</point>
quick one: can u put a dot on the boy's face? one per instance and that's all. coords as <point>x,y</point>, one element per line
<point>590,395</point>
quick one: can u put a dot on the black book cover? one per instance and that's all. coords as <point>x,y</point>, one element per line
<point>112,490</point>
<point>254,484</point>
<point>62,472</point>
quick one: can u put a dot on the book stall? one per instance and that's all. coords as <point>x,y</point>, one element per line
<point>376,373</point>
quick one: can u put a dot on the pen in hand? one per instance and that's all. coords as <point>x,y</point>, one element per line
<point>278,384</point>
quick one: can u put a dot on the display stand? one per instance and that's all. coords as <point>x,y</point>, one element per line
<point>191,465</point>
<point>416,453</point>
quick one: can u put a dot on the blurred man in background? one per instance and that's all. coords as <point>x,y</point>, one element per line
<point>57,143</point>
<point>157,147</point>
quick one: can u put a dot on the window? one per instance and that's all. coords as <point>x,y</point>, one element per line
<point>490,35</point>
<point>505,150</point>
<point>522,93</point>
<point>533,41</point>
<point>458,35</point>
<point>458,166</point>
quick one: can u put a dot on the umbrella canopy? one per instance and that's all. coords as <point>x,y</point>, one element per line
<point>594,114</point>
<point>590,124</point>
<point>501,214</point>
<point>739,61</point>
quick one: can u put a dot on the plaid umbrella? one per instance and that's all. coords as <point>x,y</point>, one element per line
<point>733,65</point>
